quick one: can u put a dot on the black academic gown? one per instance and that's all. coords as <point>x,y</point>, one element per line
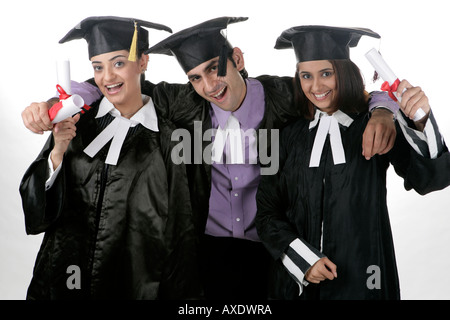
<point>186,109</point>
<point>128,227</point>
<point>350,200</point>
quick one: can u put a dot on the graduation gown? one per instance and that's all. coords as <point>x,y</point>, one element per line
<point>128,228</point>
<point>340,209</point>
<point>186,109</point>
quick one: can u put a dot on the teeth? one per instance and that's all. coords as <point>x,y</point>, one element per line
<point>113,85</point>
<point>220,92</point>
<point>321,95</point>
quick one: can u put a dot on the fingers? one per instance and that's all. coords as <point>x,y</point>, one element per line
<point>368,142</point>
<point>65,130</point>
<point>412,99</point>
<point>63,133</point>
<point>35,117</point>
<point>66,123</point>
<point>76,117</point>
<point>388,143</point>
<point>321,270</point>
<point>379,135</point>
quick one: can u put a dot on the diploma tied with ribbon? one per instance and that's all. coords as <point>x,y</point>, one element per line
<point>68,104</point>
<point>391,81</point>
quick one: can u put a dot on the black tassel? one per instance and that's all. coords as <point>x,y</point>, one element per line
<point>222,72</point>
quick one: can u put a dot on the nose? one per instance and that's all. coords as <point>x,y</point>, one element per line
<point>317,84</point>
<point>209,84</point>
<point>108,73</point>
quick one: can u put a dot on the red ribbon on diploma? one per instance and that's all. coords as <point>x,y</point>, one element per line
<point>391,89</point>
<point>56,107</point>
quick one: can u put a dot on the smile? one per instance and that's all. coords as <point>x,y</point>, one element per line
<point>113,88</point>
<point>322,96</point>
<point>220,94</point>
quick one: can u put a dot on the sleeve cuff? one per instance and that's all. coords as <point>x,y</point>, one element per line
<point>381,99</point>
<point>52,174</point>
<point>299,257</point>
<point>87,91</point>
<point>428,143</point>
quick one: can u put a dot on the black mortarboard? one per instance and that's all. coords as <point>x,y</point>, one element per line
<point>200,43</point>
<point>107,34</point>
<point>322,42</point>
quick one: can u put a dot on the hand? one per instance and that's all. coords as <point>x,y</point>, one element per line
<point>321,270</point>
<point>412,100</point>
<point>35,117</point>
<point>63,133</point>
<point>380,133</point>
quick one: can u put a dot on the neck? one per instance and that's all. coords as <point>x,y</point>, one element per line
<point>328,111</point>
<point>243,96</point>
<point>131,107</point>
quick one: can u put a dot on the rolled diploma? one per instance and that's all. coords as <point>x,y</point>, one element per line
<point>386,73</point>
<point>70,106</point>
<point>63,75</point>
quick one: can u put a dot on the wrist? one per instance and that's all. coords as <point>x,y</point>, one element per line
<point>382,111</point>
<point>56,158</point>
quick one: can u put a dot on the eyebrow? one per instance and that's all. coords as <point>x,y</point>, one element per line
<point>323,70</point>
<point>113,58</point>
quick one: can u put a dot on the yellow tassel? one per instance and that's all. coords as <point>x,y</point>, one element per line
<point>133,49</point>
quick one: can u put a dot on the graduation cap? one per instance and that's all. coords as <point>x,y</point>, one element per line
<point>200,43</point>
<point>106,34</point>
<point>322,42</point>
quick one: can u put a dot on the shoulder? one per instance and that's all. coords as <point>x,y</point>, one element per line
<point>179,103</point>
<point>276,82</point>
<point>279,100</point>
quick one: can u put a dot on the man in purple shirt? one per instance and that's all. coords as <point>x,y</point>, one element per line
<point>235,263</point>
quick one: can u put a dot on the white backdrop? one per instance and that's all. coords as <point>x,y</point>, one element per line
<point>414,43</point>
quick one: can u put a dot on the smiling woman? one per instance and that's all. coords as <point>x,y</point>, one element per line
<point>325,215</point>
<point>118,78</point>
<point>318,81</point>
<point>103,205</point>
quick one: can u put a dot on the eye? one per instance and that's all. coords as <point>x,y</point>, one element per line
<point>97,68</point>
<point>213,69</point>
<point>305,76</point>
<point>194,79</point>
<point>119,64</point>
<point>327,74</point>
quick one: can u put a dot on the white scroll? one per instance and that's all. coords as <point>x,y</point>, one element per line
<point>386,74</point>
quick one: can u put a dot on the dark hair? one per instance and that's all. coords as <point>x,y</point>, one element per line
<point>140,53</point>
<point>351,97</point>
<point>243,72</point>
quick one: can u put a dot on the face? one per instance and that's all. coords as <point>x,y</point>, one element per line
<point>318,81</point>
<point>227,92</point>
<point>117,78</point>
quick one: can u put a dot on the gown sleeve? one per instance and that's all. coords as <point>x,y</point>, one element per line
<point>421,159</point>
<point>41,207</point>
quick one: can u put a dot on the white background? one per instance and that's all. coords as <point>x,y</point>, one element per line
<point>414,43</point>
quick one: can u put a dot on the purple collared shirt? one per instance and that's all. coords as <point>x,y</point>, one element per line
<point>232,204</point>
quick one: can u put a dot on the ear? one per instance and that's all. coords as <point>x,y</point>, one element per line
<point>238,58</point>
<point>143,62</point>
